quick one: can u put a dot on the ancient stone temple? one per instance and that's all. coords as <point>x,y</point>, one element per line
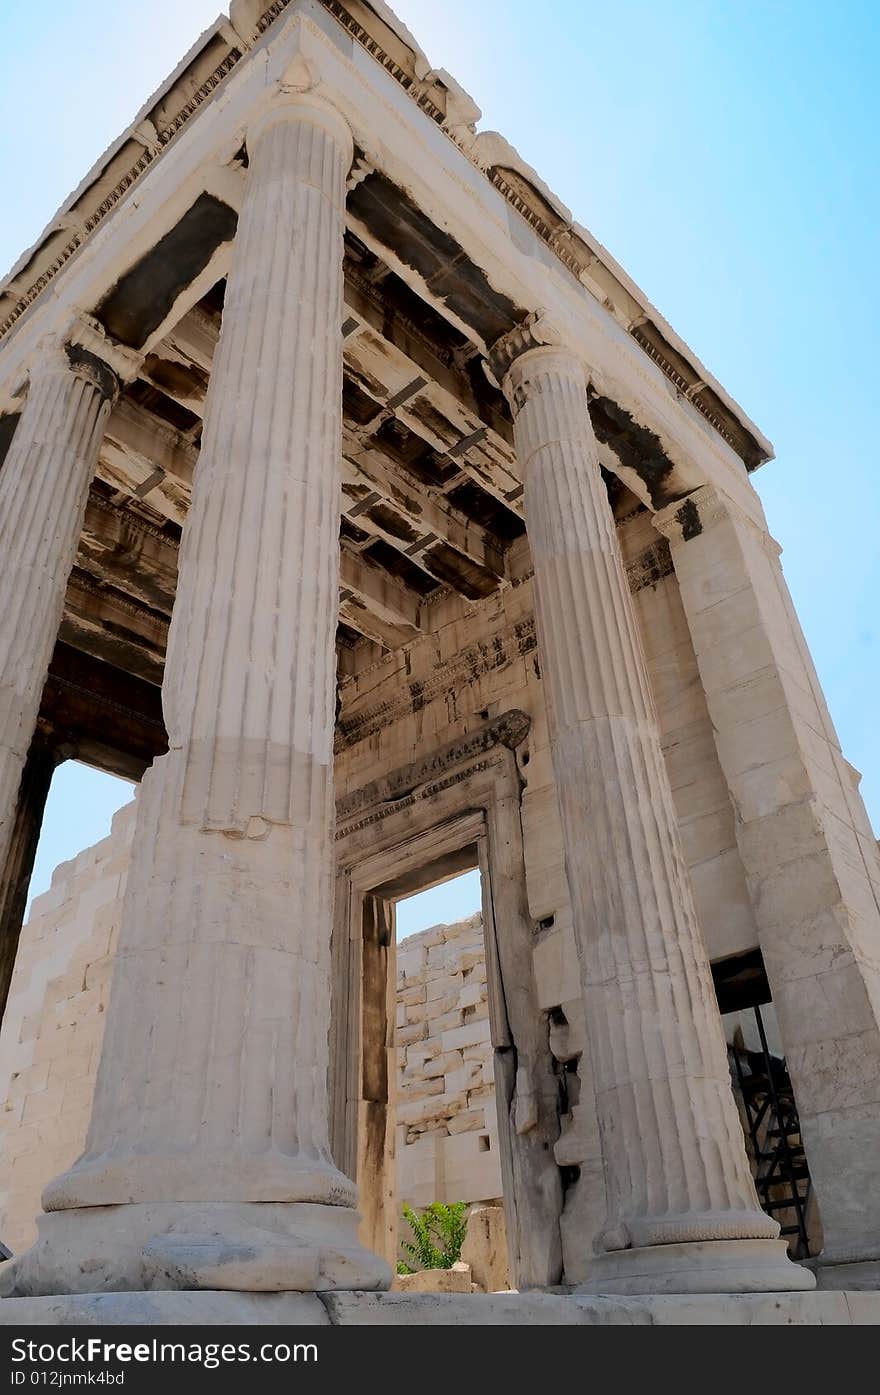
<point>356,502</point>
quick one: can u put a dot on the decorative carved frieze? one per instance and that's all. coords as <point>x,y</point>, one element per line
<point>649,567</point>
<point>428,775</point>
<point>493,654</point>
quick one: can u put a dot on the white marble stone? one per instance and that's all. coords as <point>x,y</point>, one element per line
<point>810,859</point>
<point>44,485</point>
<point>212,1089</point>
<point>428,1310</point>
<point>656,1043</point>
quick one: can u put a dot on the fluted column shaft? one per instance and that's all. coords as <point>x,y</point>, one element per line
<point>676,1169</point>
<point>44,485</point>
<point>212,1082</point>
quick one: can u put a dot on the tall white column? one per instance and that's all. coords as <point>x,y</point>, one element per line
<point>44,485</point>
<point>208,1152</point>
<point>683,1215</point>
<point>809,853</point>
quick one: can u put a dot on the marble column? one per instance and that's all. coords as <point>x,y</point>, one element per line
<point>683,1215</point>
<point>44,485</point>
<point>809,853</point>
<point>207,1163</point>
<point>21,848</point>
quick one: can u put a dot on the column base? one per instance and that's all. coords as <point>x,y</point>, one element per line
<point>253,1247</point>
<point>711,1266</point>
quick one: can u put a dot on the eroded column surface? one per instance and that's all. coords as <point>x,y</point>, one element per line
<point>208,1149</point>
<point>810,857</point>
<point>44,485</point>
<point>682,1210</point>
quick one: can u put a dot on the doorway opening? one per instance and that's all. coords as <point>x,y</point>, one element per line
<point>447,1139</point>
<point>766,1102</point>
<point>428,1123</point>
<point>453,899</point>
<point>423,825</point>
<point>62,809</point>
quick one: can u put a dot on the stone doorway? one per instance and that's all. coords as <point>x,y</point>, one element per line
<point>367,1124</point>
<point>457,809</point>
<point>410,1148</point>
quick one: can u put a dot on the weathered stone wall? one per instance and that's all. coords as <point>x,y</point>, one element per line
<point>52,1032</point>
<point>54,1025</point>
<point>447,1133</point>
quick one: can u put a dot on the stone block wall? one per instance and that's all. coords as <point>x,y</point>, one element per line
<point>54,1025</point>
<point>447,1133</point>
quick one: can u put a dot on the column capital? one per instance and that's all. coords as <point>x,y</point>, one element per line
<point>83,349</point>
<point>299,103</point>
<point>536,331</point>
<point>701,510</point>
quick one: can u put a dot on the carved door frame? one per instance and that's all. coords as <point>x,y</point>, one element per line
<point>466,794</point>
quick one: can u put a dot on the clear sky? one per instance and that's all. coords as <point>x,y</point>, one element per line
<point>725,151</point>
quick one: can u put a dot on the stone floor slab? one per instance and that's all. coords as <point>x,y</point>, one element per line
<point>167,1308</point>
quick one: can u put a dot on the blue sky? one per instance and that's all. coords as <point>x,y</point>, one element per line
<point>725,151</point>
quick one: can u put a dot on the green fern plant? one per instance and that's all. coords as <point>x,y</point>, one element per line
<point>438,1235</point>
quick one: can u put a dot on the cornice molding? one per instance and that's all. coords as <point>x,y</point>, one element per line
<point>121,188</point>
<point>429,774</point>
<point>505,646</point>
<point>703,510</point>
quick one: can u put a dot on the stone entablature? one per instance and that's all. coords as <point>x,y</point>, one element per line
<point>211,62</point>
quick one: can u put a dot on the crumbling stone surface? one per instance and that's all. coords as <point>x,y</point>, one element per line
<point>54,1025</point>
<point>485,1249</point>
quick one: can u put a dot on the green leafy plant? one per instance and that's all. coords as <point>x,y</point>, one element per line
<point>438,1235</point>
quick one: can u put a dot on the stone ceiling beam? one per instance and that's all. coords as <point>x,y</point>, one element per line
<point>194,338</point>
<point>380,498</point>
<point>417,156</point>
<point>391,603</point>
<point>104,715</point>
<point>121,553</point>
<point>366,471</point>
<point>356,614</point>
<point>113,628</point>
<point>383,372</point>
